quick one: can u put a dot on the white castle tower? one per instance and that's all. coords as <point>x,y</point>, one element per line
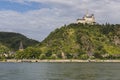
<point>87,19</point>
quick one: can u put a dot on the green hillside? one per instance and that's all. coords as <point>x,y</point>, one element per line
<point>3,49</point>
<point>78,41</point>
<point>12,40</point>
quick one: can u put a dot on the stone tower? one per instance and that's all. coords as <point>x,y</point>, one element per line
<point>21,46</point>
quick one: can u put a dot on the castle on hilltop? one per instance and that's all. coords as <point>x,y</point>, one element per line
<point>87,19</point>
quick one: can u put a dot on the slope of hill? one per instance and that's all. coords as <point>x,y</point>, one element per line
<point>12,40</point>
<point>78,41</point>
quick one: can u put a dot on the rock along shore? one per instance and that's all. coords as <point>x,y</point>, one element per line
<point>37,60</point>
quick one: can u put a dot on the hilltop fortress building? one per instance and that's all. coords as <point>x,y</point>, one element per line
<point>87,19</point>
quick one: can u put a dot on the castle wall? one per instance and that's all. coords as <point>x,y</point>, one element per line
<point>81,21</point>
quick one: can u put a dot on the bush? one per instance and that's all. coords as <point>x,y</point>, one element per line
<point>42,56</point>
<point>84,57</point>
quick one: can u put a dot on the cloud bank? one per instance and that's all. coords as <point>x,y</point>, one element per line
<point>38,23</point>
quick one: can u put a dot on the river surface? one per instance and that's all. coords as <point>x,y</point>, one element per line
<point>59,71</point>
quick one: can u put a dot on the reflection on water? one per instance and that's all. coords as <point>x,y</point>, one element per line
<point>59,71</point>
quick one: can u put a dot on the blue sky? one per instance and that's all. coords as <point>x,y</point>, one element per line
<point>37,18</point>
<point>19,7</point>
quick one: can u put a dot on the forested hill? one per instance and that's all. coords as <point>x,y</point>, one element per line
<point>12,40</point>
<point>77,40</point>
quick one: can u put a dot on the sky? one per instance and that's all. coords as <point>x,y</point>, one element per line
<point>37,18</point>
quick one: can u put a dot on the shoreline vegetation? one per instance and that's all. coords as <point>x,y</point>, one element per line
<point>56,61</point>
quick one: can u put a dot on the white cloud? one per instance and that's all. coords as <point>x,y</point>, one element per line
<point>38,24</point>
<point>35,24</point>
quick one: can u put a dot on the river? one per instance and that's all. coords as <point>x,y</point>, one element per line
<point>59,71</point>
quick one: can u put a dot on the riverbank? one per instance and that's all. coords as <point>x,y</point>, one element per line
<point>55,61</point>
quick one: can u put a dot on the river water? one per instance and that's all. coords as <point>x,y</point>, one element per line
<point>59,71</point>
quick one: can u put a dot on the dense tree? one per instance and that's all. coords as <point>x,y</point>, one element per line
<point>78,41</point>
<point>29,53</point>
<point>82,41</point>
